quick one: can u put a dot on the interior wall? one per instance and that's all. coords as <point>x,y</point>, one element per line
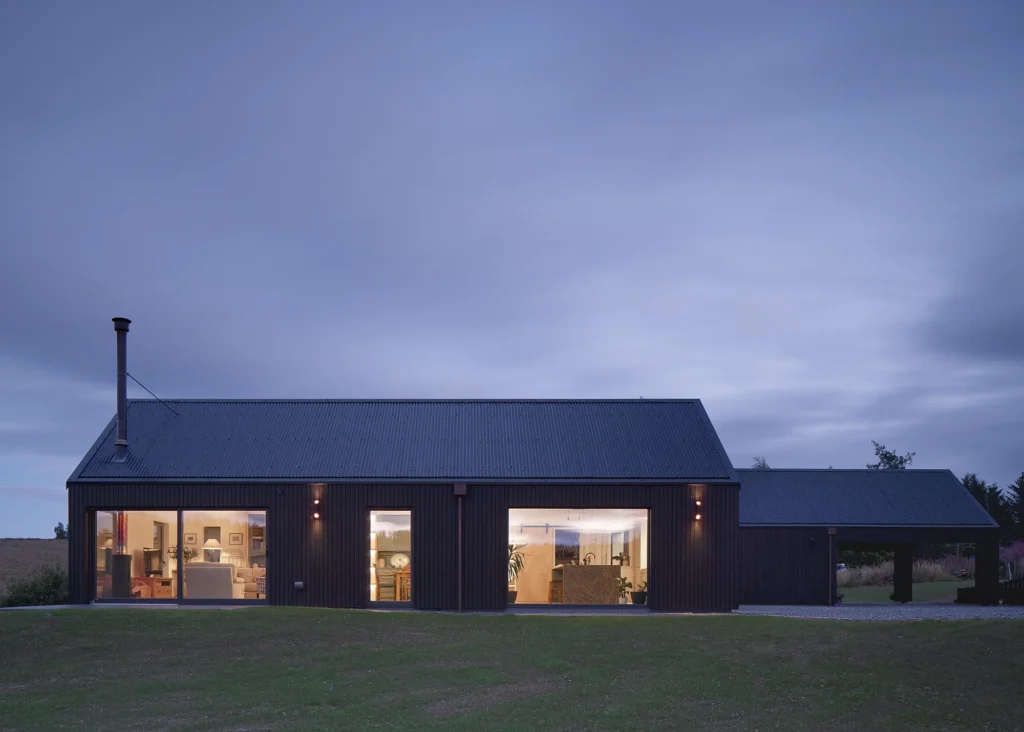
<point>230,522</point>
<point>140,536</point>
<point>534,580</point>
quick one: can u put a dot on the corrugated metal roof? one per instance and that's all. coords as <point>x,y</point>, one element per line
<point>420,439</point>
<point>857,498</point>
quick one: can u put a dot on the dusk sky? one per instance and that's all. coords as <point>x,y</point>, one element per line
<point>808,215</point>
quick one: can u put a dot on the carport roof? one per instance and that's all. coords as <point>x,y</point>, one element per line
<point>865,497</point>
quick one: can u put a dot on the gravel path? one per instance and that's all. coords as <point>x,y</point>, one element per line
<point>888,611</point>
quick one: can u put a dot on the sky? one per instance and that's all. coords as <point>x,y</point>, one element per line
<point>808,215</point>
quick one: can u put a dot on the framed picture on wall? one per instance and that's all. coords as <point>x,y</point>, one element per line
<point>234,540</point>
<point>190,539</point>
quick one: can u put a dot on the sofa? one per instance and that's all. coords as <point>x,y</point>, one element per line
<point>212,581</point>
<point>248,576</point>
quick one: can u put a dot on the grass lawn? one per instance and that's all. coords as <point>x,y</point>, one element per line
<point>300,669</point>
<point>923,592</point>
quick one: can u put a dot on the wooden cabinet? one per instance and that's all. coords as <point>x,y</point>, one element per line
<point>163,587</point>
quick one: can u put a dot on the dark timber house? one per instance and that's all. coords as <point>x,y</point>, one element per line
<point>468,505</point>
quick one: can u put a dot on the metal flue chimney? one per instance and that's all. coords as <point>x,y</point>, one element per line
<point>121,444</point>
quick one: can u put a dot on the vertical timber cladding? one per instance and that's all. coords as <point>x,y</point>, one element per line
<point>786,565</point>
<point>434,539</point>
<point>329,555</point>
<point>691,568</point>
<point>296,551</point>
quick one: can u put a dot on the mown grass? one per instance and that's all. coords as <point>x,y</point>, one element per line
<point>298,669</point>
<point>923,592</point>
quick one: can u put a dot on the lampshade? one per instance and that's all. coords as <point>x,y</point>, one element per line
<point>211,544</point>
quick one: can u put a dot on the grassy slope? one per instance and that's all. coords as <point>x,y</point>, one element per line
<point>263,669</point>
<point>923,592</point>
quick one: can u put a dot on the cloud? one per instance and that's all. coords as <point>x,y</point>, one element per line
<point>982,315</point>
<point>801,220</point>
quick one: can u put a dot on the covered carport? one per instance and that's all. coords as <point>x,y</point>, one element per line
<point>793,523</point>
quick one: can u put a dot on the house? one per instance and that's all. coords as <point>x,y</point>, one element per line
<point>460,505</point>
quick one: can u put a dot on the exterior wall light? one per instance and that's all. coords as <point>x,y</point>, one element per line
<point>697,517</point>
<point>316,508</point>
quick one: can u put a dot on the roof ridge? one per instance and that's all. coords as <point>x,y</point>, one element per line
<point>843,470</point>
<point>417,401</point>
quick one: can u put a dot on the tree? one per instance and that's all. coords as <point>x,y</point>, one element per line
<point>1015,506</point>
<point>888,460</point>
<point>60,531</point>
<point>760,463</point>
<point>999,506</point>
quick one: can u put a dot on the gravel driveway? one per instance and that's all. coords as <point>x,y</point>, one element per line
<point>887,611</point>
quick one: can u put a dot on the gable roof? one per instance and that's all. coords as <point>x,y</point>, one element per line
<point>654,440</point>
<point>862,497</point>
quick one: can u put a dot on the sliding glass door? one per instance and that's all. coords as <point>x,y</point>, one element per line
<point>153,555</point>
<point>135,555</point>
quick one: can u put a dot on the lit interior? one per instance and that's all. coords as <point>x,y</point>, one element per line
<point>390,556</point>
<point>578,556</point>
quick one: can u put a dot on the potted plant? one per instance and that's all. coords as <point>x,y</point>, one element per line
<point>623,586</point>
<point>639,595</point>
<point>617,560</point>
<point>515,566</point>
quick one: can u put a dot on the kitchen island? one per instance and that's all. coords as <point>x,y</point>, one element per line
<point>587,584</point>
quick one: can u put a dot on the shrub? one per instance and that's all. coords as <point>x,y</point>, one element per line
<point>881,575</point>
<point>46,586</point>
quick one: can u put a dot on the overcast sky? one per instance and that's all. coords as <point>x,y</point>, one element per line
<point>808,215</point>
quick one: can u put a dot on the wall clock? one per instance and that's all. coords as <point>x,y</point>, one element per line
<point>400,561</point>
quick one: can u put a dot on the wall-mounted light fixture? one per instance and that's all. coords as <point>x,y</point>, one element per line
<point>316,508</point>
<point>696,511</point>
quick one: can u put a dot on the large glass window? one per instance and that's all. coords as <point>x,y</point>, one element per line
<point>588,556</point>
<point>390,556</point>
<point>224,555</point>
<point>135,557</point>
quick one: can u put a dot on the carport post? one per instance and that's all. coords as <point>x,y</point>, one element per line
<point>903,573</point>
<point>986,571</point>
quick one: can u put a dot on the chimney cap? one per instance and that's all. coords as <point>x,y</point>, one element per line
<point>121,323</point>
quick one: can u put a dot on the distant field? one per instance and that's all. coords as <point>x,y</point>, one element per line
<point>19,557</point>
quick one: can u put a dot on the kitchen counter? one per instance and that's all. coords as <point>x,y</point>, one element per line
<point>588,584</point>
